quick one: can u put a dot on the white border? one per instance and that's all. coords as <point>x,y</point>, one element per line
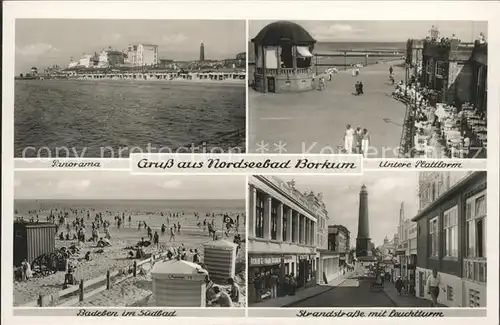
<point>276,10</point>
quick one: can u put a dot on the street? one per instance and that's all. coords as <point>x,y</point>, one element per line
<point>314,121</point>
<point>351,293</point>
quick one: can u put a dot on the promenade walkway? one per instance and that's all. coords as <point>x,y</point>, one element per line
<point>315,121</point>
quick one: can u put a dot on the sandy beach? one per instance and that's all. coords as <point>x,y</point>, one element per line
<point>132,290</point>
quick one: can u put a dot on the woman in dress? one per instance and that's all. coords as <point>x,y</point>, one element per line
<point>365,142</point>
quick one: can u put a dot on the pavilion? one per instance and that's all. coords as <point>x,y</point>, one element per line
<point>283,58</point>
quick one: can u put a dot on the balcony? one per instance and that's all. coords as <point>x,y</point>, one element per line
<point>282,71</point>
<point>475,269</point>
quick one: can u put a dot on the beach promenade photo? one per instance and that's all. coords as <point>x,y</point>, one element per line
<point>109,240</point>
<point>128,86</point>
<point>382,89</point>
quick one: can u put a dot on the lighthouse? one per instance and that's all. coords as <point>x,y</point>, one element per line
<point>202,52</point>
<point>363,240</point>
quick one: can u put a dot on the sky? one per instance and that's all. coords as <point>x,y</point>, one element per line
<point>381,31</point>
<point>386,191</point>
<point>121,185</point>
<point>43,42</point>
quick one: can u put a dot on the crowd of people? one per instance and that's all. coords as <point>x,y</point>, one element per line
<point>452,128</point>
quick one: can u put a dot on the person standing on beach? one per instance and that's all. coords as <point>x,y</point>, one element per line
<point>178,227</point>
<point>361,88</point>
<point>156,240</point>
<point>129,221</point>
<point>348,139</point>
<point>172,235</point>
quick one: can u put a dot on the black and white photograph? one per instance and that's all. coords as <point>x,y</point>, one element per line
<point>383,89</point>
<point>106,239</point>
<point>106,88</point>
<point>318,241</point>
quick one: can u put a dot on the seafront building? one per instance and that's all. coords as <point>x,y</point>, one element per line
<point>451,236</point>
<point>142,55</point>
<point>457,71</point>
<point>287,233</point>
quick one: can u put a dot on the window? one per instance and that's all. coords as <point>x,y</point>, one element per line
<point>440,71</point>
<point>475,213</point>
<point>274,221</point>
<point>434,235</point>
<point>259,218</point>
<point>294,228</point>
<point>449,293</point>
<point>474,298</point>
<point>285,224</point>
<point>450,219</point>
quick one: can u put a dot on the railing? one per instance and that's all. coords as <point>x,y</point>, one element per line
<point>74,294</point>
<point>475,269</point>
<point>282,71</point>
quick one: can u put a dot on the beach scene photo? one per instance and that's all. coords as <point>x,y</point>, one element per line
<point>108,239</point>
<point>127,86</point>
<point>383,89</point>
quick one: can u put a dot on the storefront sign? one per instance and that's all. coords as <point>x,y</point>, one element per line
<point>265,260</point>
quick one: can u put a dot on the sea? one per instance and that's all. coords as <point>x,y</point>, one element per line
<point>143,210</point>
<point>396,48</point>
<point>110,119</point>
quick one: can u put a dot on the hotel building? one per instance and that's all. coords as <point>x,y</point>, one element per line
<point>451,236</point>
<point>287,231</point>
<point>142,55</point>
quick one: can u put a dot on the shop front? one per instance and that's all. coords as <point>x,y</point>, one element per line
<point>266,274</point>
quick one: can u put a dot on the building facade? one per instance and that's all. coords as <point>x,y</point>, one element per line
<point>457,71</point>
<point>451,238</point>
<point>284,231</point>
<point>142,55</point>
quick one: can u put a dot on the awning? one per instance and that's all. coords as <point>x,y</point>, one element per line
<point>304,51</point>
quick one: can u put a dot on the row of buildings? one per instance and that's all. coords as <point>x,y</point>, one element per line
<point>288,233</point>
<point>448,234</point>
<point>456,71</point>
<point>135,55</point>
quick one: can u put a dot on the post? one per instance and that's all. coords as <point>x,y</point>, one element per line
<point>40,300</point>
<point>81,290</point>
<point>108,282</point>
<point>135,269</point>
<point>345,60</point>
<point>366,58</point>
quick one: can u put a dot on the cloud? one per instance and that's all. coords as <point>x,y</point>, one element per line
<point>174,183</point>
<point>78,185</point>
<point>333,31</point>
<point>37,49</point>
<point>174,38</point>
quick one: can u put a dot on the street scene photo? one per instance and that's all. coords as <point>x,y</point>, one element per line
<point>383,89</point>
<point>108,239</point>
<point>330,241</point>
<point>125,86</point>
